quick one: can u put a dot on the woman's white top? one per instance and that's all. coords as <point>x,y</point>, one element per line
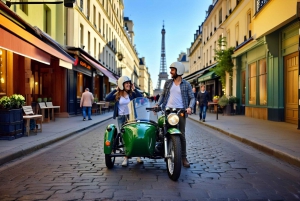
<point>175,99</point>
<point>123,105</point>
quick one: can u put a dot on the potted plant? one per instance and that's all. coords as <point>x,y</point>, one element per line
<point>216,99</point>
<point>11,117</point>
<point>39,100</point>
<point>45,99</point>
<point>223,101</point>
<point>232,102</point>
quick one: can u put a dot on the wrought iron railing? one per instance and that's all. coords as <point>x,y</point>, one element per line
<point>260,4</point>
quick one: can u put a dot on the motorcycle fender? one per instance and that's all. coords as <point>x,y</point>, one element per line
<point>174,131</point>
<point>109,138</point>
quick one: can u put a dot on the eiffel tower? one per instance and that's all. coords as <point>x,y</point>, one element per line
<point>163,75</point>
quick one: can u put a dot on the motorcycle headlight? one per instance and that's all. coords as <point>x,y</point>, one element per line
<point>173,119</point>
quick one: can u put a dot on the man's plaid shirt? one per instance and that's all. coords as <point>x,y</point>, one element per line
<point>186,93</point>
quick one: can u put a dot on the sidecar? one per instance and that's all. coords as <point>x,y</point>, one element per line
<point>137,137</point>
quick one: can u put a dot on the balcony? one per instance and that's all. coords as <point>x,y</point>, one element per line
<point>260,4</point>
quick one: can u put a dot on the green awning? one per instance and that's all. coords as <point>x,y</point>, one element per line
<point>207,76</point>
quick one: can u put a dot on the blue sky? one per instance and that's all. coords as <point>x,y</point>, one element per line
<point>181,18</point>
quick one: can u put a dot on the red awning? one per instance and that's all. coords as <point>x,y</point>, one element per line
<point>108,74</point>
<point>30,46</point>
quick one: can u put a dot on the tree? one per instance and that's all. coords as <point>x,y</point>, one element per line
<point>224,60</point>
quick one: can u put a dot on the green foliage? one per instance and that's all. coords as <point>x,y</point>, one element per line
<point>224,60</point>
<point>14,102</point>
<point>232,99</point>
<point>5,102</point>
<point>223,101</point>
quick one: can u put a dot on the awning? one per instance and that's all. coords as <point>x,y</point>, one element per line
<point>30,47</point>
<point>194,76</point>
<point>12,43</point>
<point>111,77</point>
<point>65,64</point>
<point>208,76</point>
<point>248,46</point>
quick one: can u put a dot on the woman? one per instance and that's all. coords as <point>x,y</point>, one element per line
<point>124,93</point>
<point>202,101</point>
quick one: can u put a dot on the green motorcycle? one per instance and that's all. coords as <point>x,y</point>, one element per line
<point>144,134</point>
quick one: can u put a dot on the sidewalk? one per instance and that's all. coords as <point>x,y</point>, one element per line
<point>280,139</point>
<point>52,132</point>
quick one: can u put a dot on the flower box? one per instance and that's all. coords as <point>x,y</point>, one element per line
<point>11,124</point>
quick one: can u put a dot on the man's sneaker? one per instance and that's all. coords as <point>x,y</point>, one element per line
<point>90,119</point>
<point>185,162</point>
<point>125,162</point>
<point>200,119</point>
<point>139,160</point>
<point>203,120</point>
<point>83,119</point>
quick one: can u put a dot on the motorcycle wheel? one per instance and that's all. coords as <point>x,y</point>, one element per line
<point>174,162</point>
<point>109,161</point>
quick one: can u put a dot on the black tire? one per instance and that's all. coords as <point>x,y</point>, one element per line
<point>174,163</point>
<point>109,161</point>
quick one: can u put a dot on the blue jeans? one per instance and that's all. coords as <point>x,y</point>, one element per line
<point>121,119</point>
<point>89,112</point>
<point>202,113</point>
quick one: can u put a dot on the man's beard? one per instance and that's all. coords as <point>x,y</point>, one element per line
<point>174,76</point>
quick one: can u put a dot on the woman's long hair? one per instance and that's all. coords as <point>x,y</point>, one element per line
<point>122,93</point>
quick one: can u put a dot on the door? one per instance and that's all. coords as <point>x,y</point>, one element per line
<point>291,88</point>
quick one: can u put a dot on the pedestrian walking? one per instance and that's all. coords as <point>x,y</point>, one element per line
<point>86,102</point>
<point>195,95</point>
<point>124,93</point>
<point>202,102</point>
<point>177,93</point>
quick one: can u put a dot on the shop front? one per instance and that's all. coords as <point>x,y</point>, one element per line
<point>29,65</point>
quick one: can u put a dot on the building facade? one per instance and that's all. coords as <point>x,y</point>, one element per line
<point>265,58</point>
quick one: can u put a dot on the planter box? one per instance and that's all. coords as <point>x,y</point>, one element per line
<point>11,124</point>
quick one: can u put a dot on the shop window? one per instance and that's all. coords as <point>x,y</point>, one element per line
<point>262,82</point>
<point>252,84</point>
<point>3,73</point>
<point>258,83</point>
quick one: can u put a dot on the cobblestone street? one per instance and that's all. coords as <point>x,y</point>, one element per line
<point>221,169</point>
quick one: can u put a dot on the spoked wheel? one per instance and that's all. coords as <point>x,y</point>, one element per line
<point>174,161</point>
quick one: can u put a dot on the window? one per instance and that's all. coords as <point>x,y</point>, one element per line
<point>258,77</point>
<point>237,34</point>
<point>252,84</point>
<point>24,7</point>
<point>94,15</point>
<point>95,43</point>
<point>260,4</point>
<point>89,42</point>
<point>81,35</point>
<point>220,16</point>
<point>99,53</point>
<point>3,73</point>
<point>47,24</point>
<point>81,4</point>
<point>262,82</point>
<point>88,12</point>
<point>249,23</point>
<point>99,22</point>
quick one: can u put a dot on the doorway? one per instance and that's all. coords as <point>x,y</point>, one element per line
<point>291,87</point>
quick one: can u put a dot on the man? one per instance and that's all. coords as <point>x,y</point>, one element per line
<point>195,95</point>
<point>177,93</point>
<point>202,101</point>
<point>86,102</point>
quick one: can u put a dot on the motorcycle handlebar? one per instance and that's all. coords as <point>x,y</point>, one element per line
<point>154,109</point>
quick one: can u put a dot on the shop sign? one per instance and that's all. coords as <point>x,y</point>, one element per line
<point>84,64</point>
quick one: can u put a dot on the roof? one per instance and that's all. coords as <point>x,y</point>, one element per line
<point>141,62</point>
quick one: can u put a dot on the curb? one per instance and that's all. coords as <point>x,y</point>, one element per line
<point>29,150</point>
<point>273,152</point>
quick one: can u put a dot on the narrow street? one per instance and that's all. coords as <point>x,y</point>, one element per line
<point>222,169</point>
